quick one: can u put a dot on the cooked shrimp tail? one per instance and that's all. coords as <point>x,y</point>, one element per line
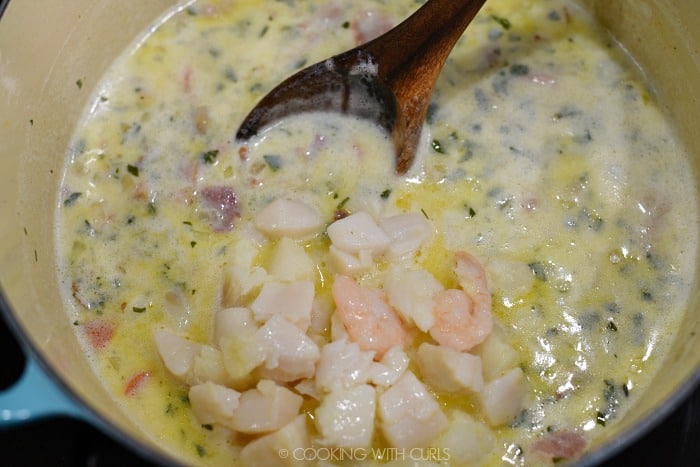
<point>463,316</point>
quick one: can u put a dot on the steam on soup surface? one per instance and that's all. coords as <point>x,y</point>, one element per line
<point>506,300</point>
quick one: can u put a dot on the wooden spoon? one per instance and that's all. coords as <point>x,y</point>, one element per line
<point>388,80</point>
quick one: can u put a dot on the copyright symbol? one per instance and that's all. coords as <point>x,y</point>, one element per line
<point>283,453</point>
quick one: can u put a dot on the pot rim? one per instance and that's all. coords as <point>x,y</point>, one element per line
<point>92,417</point>
<point>595,457</point>
<point>633,434</point>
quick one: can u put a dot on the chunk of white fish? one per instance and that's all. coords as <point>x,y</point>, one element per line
<point>232,322</point>
<point>342,365</point>
<point>448,370</point>
<point>410,415</point>
<point>213,403</point>
<point>467,440</point>
<point>208,365</point>
<point>288,218</point>
<point>497,355</point>
<point>178,353</point>
<point>358,232</point>
<point>350,263</point>
<point>502,398</point>
<point>407,233</point>
<point>242,277</point>
<point>266,408</point>
<point>411,292</point>
<point>345,417</point>
<point>241,354</point>
<point>290,262</point>
<point>509,279</point>
<point>389,369</point>
<point>265,451</point>
<point>289,353</point>
<point>292,300</point>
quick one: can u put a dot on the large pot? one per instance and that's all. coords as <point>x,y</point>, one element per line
<point>52,53</point>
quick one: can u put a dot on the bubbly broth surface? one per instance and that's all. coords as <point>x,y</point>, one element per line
<point>518,287</point>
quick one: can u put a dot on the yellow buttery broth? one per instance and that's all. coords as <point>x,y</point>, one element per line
<point>543,147</point>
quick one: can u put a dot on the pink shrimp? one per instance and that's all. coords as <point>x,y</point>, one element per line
<point>463,317</point>
<point>368,318</point>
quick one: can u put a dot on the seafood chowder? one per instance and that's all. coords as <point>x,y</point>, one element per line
<point>291,300</point>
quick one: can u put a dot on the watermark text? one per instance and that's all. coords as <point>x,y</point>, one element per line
<point>364,454</point>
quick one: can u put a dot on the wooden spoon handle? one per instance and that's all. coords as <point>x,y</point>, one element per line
<point>425,39</point>
<point>412,55</point>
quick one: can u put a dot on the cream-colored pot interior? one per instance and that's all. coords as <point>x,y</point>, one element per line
<point>53,53</point>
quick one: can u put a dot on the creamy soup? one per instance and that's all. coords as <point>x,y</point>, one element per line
<point>291,300</point>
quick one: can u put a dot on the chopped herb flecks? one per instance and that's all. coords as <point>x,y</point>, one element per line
<point>504,22</point>
<point>273,161</point>
<point>539,271</point>
<point>209,157</point>
<point>72,198</point>
<point>437,147</point>
<point>518,69</point>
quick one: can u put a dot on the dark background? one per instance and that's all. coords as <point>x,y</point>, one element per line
<point>66,442</point>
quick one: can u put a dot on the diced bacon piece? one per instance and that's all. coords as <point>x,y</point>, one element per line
<point>502,398</point>
<point>231,322</point>
<point>292,300</point>
<point>289,353</point>
<point>411,417</point>
<point>266,408</point>
<point>288,218</point>
<point>265,451</point>
<point>563,444</point>
<point>177,353</point>
<point>390,368</point>
<point>345,417</point>
<point>290,262</point>
<point>467,440</point>
<point>411,292</point>
<point>213,403</point>
<point>447,370</point>
<point>342,365</point>
<point>220,204</point>
<point>241,354</point>
<point>407,232</point>
<point>497,356</point>
<point>358,232</point>
<point>99,333</point>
